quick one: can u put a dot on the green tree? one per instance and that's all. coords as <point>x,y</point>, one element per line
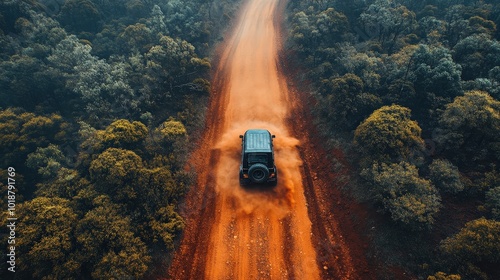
<point>137,8</point>
<point>331,26</point>
<point>165,225</point>
<point>477,243</point>
<point>67,184</point>
<point>304,33</point>
<point>469,127</point>
<point>457,23</point>
<point>47,161</point>
<point>444,276</point>
<point>366,65</point>
<point>104,89</point>
<point>156,23</point>
<point>21,133</point>
<point>409,199</point>
<point>46,239</point>
<point>115,171</point>
<point>477,54</point>
<point>433,72</point>
<point>125,134</point>
<point>136,37</point>
<point>493,202</point>
<point>70,53</point>
<point>346,105</point>
<point>109,248</point>
<point>445,176</point>
<point>175,52</point>
<point>388,22</point>
<point>389,135</point>
<point>80,15</point>
<point>432,29</point>
<point>20,82</point>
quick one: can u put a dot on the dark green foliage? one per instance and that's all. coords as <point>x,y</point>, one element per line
<point>477,54</point>
<point>477,243</point>
<point>21,133</point>
<point>136,38</point>
<point>409,199</point>
<point>67,184</point>
<point>445,176</point>
<point>113,187</point>
<point>79,15</point>
<point>313,28</point>
<point>435,76</point>
<point>493,202</point>
<point>345,102</point>
<point>469,128</point>
<point>47,161</point>
<point>437,58</point>
<point>388,22</point>
<point>108,246</point>
<point>180,52</point>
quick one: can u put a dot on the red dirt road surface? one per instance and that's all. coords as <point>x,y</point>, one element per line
<point>258,233</point>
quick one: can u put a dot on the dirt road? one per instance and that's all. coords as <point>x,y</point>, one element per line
<point>255,233</point>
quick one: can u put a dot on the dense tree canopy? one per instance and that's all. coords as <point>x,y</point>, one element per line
<point>46,238</point>
<point>409,199</point>
<point>493,202</point>
<point>99,98</point>
<point>437,58</point>
<point>96,109</point>
<point>389,135</point>
<point>346,104</point>
<point>445,176</point>
<point>471,124</point>
<point>477,243</point>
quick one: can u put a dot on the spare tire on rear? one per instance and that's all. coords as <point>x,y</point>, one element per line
<point>258,173</point>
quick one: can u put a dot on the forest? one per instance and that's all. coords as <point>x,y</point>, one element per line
<point>410,91</point>
<point>99,102</point>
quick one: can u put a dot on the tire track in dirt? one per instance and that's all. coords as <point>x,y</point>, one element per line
<point>249,233</point>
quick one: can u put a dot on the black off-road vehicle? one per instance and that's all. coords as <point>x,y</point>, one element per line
<point>257,158</point>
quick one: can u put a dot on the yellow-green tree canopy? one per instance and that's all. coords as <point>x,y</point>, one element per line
<point>443,276</point>
<point>169,143</point>
<point>114,172</point>
<point>123,133</point>
<point>477,242</point>
<point>389,135</point>
<point>172,130</point>
<point>45,239</point>
<point>21,133</point>
<point>108,244</point>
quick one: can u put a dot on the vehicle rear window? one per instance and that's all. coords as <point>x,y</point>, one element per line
<point>257,158</point>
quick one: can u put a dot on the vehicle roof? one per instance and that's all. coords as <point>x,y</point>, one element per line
<point>258,140</point>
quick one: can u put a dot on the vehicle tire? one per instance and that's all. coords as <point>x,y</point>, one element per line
<point>258,173</point>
